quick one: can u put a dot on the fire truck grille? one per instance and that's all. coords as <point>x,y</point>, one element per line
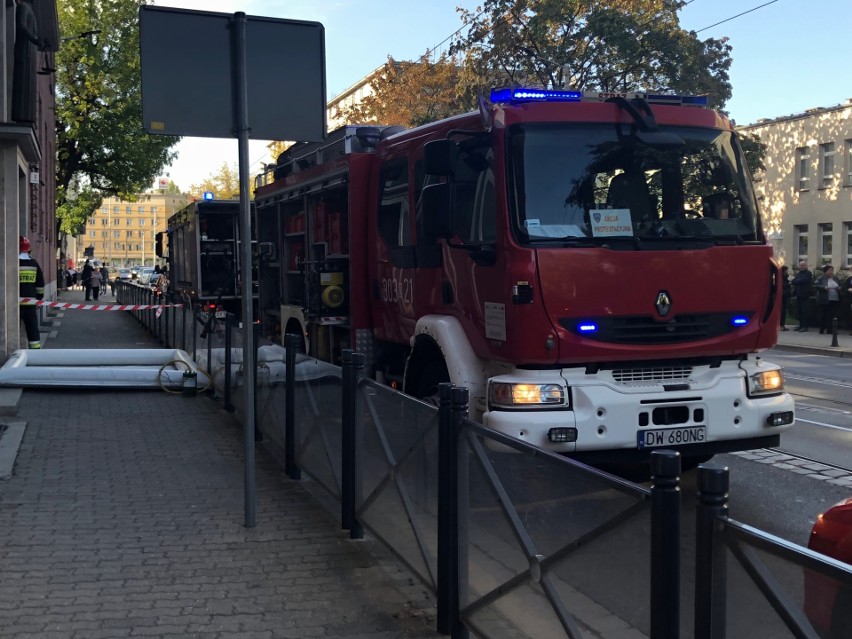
<point>648,330</point>
<point>660,374</point>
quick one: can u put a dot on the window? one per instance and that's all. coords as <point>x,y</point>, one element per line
<point>128,209</point>
<point>847,169</point>
<point>141,209</point>
<point>93,233</point>
<point>803,172</point>
<point>393,205</point>
<point>116,222</point>
<point>848,257</point>
<point>116,233</point>
<point>129,222</point>
<point>826,165</point>
<point>104,233</point>
<point>801,237</point>
<point>104,222</point>
<point>115,209</point>
<point>91,220</point>
<point>826,237</point>
<point>141,221</point>
<point>128,233</point>
<point>475,208</point>
<point>154,210</point>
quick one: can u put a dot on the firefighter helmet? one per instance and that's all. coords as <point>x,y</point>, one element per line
<point>24,245</point>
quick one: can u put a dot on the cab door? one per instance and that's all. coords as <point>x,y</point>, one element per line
<point>393,289</point>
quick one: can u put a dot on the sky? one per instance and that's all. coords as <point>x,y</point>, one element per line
<point>788,55</point>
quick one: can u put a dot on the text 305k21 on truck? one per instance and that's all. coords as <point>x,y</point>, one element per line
<point>592,267</point>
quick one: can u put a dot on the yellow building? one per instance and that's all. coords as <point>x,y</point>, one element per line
<point>124,233</point>
<point>807,186</point>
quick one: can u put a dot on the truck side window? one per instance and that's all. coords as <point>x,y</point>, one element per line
<point>474,206</point>
<point>393,213</point>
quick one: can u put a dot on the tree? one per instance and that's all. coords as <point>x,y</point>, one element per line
<point>224,184</point>
<point>410,94</point>
<point>599,45</point>
<point>101,147</point>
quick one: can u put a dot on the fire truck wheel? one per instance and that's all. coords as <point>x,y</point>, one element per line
<point>434,373</point>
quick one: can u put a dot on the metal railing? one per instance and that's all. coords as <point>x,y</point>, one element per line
<point>512,540</point>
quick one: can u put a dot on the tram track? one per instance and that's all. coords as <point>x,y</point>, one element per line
<point>801,464</point>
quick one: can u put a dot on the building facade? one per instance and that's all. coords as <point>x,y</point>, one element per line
<point>806,189</point>
<point>30,38</point>
<point>124,233</point>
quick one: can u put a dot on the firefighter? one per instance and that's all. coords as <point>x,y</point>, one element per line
<point>31,281</point>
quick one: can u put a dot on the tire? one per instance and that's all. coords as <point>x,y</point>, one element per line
<point>434,373</point>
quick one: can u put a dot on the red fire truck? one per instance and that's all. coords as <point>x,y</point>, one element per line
<point>591,266</point>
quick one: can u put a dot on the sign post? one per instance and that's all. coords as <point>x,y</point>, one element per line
<point>234,63</point>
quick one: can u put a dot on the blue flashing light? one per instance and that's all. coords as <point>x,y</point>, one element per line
<point>739,320</point>
<point>587,327</point>
<point>208,195</point>
<point>534,95</point>
<point>519,95</point>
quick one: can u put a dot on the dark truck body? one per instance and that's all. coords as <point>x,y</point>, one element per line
<point>204,253</point>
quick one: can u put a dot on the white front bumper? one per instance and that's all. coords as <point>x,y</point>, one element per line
<point>608,414</point>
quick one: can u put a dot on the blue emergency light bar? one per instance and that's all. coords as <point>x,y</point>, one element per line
<point>739,320</point>
<point>587,327</point>
<point>521,95</point>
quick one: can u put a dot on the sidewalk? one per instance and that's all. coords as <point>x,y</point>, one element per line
<point>124,517</point>
<point>813,342</point>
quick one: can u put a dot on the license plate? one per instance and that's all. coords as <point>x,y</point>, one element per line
<point>657,438</point>
<point>221,314</point>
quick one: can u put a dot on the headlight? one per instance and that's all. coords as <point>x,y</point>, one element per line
<point>506,395</point>
<point>766,382</point>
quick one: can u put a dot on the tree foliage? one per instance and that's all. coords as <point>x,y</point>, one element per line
<point>224,184</point>
<point>599,45</point>
<point>101,147</point>
<point>410,94</point>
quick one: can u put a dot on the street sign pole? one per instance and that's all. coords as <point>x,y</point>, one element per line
<point>249,371</point>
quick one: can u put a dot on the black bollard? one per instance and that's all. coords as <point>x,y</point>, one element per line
<point>834,332</point>
<point>710,552</point>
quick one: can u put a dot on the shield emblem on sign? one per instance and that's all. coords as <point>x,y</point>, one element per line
<point>596,217</point>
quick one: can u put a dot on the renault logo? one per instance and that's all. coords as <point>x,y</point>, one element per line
<point>664,303</point>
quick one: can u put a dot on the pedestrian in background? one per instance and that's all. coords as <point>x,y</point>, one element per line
<point>86,279</point>
<point>802,284</point>
<point>104,278</point>
<point>30,286</point>
<point>849,298</point>
<point>785,295</point>
<point>95,283</point>
<point>828,297</point>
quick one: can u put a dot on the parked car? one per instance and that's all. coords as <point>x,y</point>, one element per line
<point>124,275</point>
<point>145,274</point>
<point>828,604</point>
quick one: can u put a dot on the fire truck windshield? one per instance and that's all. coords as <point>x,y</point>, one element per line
<point>580,184</point>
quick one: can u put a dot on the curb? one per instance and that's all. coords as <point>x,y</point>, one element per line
<point>10,442</point>
<point>828,351</point>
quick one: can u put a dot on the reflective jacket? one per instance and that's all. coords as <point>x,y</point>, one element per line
<point>31,279</point>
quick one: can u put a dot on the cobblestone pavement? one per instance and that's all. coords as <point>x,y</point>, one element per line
<point>124,517</point>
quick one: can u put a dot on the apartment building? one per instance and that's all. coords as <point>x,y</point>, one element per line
<point>806,189</point>
<point>124,233</point>
<point>27,152</point>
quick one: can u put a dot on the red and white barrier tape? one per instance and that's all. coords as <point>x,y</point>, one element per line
<point>31,301</point>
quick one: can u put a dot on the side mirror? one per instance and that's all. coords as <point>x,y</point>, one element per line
<point>160,248</point>
<point>438,210</point>
<point>439,157</point>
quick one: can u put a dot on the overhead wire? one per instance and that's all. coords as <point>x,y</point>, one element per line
<point>765,4</point>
